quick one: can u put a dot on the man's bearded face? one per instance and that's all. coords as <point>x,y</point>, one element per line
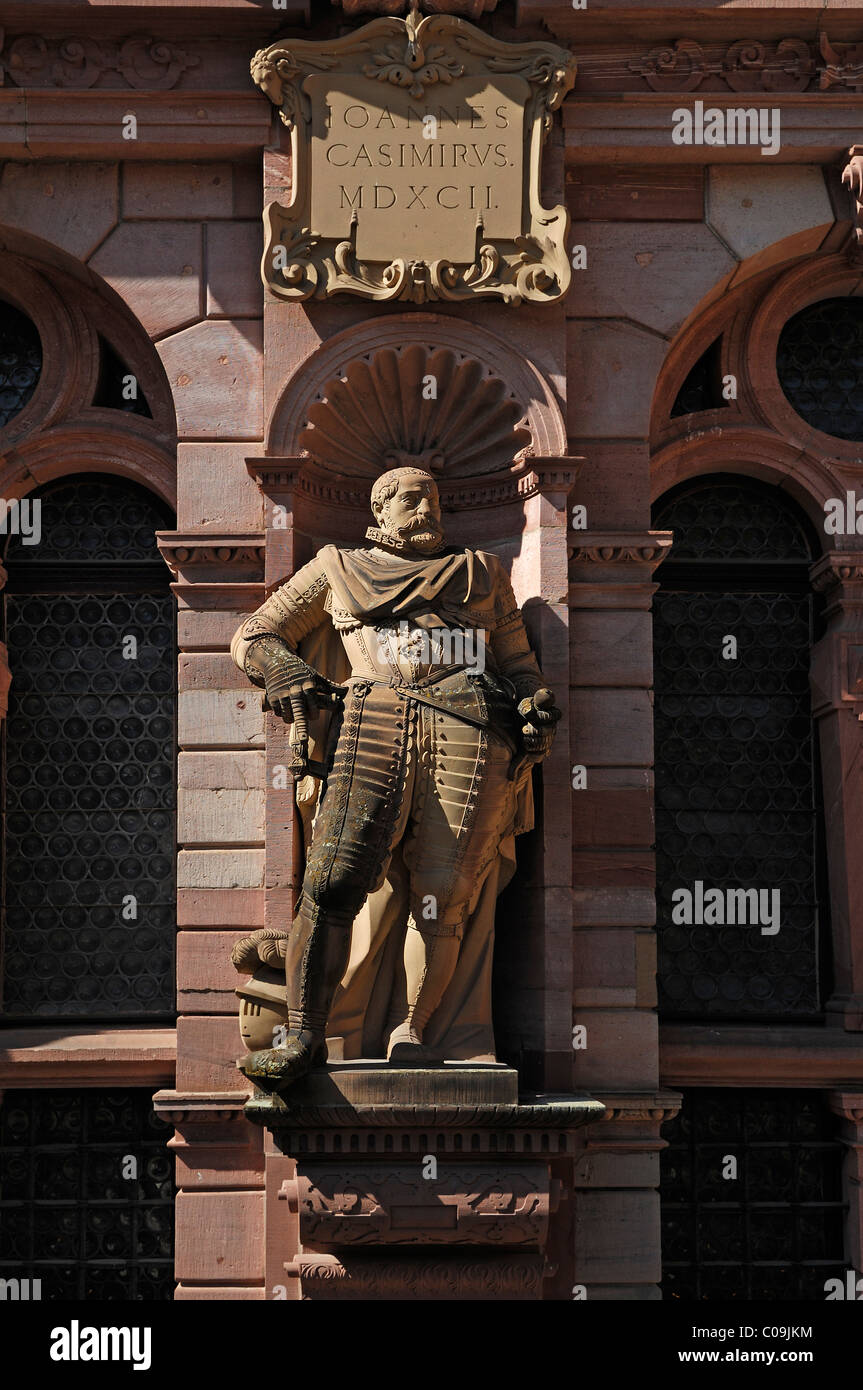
<point>413,515</point>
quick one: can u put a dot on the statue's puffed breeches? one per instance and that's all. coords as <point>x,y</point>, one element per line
<point>403,772</point>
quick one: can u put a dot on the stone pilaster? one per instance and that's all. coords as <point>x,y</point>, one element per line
<point>615,1038</point>
<point>848,1105</point>
<point>837,703</point>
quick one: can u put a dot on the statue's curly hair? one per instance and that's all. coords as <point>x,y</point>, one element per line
<point>387,485</point>
<point>266,946</point>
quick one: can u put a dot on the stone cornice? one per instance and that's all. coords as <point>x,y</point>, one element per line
<point>540,1125</point>
<point>637,128</point>
<point>530,477</point>
<point>47,123</point>
<point>692,1054</point>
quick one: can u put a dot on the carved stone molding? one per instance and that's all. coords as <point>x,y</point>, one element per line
<point>343,1205</point>
<point>78,61</point>
<point>843,65</point>
<point>836,568</point>
<point>632,1123</point>
<point>640,1107</point>
<point>745,66</point>
<point>848,1105</point>
<point>419,1278</point>
<point>205,554</point>
<point>338,237</point>
<point>198,1107</point>
<point>532,477</point>
<point>601,548</point>
<point>544,1126</point>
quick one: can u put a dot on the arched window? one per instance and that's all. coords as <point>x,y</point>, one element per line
<point>737,783</point>
<point>88,831</point>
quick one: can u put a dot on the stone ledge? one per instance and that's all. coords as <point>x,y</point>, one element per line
<point>536,1125</point>
<point>371,1083</point>
<point>730,1054</point>
<point>64,1055</point>
<point>178,1107</point>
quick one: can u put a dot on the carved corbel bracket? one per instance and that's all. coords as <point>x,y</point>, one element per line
<point>632,1122</point>
<point>208,556</point>
<point>614,568</point>
<point>355,1213</point>
<point>214,571</point>
<point>199,1107</point>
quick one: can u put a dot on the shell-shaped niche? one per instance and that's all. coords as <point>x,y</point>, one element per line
<point>417,400</point>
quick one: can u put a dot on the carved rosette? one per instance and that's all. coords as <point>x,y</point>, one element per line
<point>416,65</point>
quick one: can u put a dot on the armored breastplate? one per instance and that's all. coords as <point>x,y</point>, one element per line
<point>409,653</point>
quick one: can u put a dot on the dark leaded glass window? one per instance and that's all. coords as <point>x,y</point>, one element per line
<point>118,388</point>
<point>89,833</point>
<point>737,784</point>
<point>702,389</point>
<point>86,1195</point>
<point>772,1227</point>
<point>20,361</point>
<point>819,362</point>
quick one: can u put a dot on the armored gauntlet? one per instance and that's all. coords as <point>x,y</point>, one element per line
<point>291,684</point>
<point>539,715</point>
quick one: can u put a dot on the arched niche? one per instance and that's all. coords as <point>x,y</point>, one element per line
<point>467,405</point>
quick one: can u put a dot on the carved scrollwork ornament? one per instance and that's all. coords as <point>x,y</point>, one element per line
<point>416,147</point>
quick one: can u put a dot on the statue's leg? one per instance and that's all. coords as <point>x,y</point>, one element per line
<point>361,815</point>
<point>430,961</point>
<point>461,804</point>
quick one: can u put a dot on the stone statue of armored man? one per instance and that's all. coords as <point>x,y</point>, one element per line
<point>440,712</point>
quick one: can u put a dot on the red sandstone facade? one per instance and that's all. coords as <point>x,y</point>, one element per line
<point>156,243</point>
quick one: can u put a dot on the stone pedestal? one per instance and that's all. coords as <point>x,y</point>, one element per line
<point>366,1162</point>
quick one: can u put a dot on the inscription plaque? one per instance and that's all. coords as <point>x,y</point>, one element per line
<point>416,155</point>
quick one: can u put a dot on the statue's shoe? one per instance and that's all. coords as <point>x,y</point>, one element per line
<point>278,1067</point>
<point>407,1049</point>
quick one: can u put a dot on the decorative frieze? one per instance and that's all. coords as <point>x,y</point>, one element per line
<point>771,67</point>
<point>395,1204</point>
<point>411,1278</point>
<point>745,66</point>
<point>143,62</point>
